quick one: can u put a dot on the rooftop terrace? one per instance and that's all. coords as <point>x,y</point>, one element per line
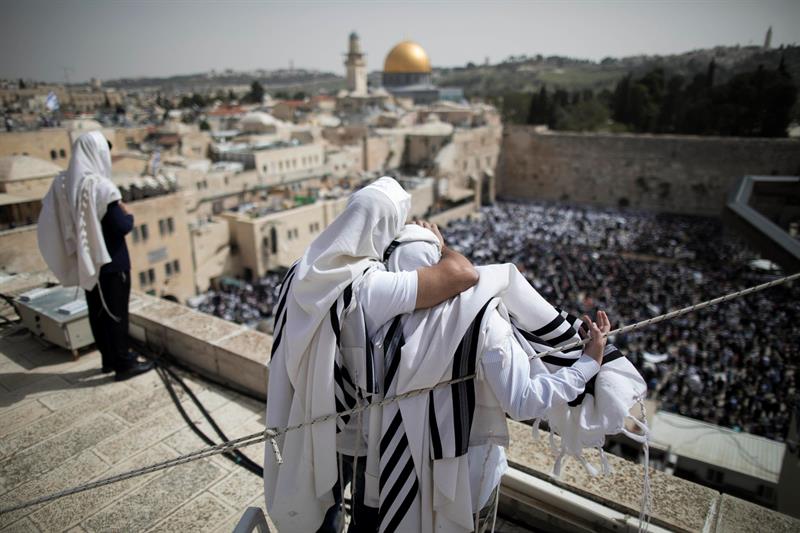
<point>63,424</point>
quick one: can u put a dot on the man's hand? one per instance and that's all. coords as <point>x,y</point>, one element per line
<point>433,227</point>
<point>598,329</point>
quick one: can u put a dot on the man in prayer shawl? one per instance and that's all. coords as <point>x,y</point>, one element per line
<point>81,234</point>
<point>442,471</point>
<point>316,370</point>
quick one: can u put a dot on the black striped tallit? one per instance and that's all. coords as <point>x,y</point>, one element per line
<point>450,414</point>
<point>398,485</point>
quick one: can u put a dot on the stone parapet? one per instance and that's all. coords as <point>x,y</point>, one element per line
<point>225,352</point>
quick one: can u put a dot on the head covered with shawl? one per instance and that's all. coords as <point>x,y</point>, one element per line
<point>69,230</point>
<point>302,367</point>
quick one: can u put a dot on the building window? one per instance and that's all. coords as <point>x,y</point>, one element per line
<point>171,223</point>
<point>53,154</point>
<point>162,227</point>
<point>151,275</point>
<point>168,268</point>
<point>145,232</point>
<point>289,234</point>
<point>135,234</point>
<point>62,154</point>
<point>142,279</point>
<point>176,266</point>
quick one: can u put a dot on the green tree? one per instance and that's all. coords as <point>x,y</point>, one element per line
<point>256,94</point>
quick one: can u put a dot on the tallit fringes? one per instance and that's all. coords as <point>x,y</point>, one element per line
<point>591,470</point>
<point>606,466</point>
<point>535,430</point>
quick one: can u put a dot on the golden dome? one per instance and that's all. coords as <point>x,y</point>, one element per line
<point>407,56</point>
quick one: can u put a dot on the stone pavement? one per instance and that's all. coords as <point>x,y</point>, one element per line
<point>62,423</point>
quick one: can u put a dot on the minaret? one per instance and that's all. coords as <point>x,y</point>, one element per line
<point>356,67</point>
<point>768,38</point>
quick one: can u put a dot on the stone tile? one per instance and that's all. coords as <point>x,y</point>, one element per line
<point>99,395</point>
<point>203,327</point>
<point>17,380</point>
<point>142,406</point>
<point>239,488</point>
<point>22,526</point>
<point>77,507</point>
<point>676,503</point>
<point>146,382</point>
<point>736,515</point>
<point>51,453</point>
<point>45,428</point>
<point>16,417</point>
<point>147,433</point>
<point>153,501</point>
<point>75,471</point>
<point>200,514</point>
<point>231,522</point>
<point>36,390</point>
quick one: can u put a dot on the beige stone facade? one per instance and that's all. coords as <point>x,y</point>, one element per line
<point>275,240</point>
<point>212,252</point>
<point>55,144</point>
<point>160,247</point>
<point>681,174</point>
<point>19,251</point>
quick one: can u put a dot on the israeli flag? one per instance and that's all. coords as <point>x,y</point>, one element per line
<point>52,101</point>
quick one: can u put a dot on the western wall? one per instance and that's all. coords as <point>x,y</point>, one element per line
<point>669,173</point>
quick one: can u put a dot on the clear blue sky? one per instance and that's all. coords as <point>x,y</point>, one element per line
<point>116,38</point>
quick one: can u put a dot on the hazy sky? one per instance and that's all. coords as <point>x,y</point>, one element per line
<point>116,38</point>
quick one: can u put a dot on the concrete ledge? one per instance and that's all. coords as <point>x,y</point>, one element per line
<point>222,351</point>
<point>677,504</point>
<point>238,357</point>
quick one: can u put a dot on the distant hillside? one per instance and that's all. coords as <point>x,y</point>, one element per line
<point>529,73</point>
<point>271,80</point>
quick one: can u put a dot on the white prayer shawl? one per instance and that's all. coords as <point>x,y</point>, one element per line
<point>600,410</point>
<point>69,231</point>
<point>305,352</point>
<point>415,358</point>
<point>438,344</point>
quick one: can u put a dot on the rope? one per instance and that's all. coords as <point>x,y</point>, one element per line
<point>272,433</point>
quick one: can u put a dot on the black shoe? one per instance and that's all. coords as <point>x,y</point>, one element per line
<point>134,370</point>
<point>106,370</point>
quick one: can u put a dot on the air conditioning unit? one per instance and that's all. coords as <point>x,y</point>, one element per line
<point>58,315</point>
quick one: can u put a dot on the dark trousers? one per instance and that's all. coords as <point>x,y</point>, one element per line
<point>365,519</point>
<point>110,335</point>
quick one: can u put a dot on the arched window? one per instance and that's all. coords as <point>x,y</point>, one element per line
<point>53,154</point>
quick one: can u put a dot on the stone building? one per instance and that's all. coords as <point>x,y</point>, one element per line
<point>24,181</point>
<point>356,67</point>
<point>160,246</point>
<point>55,144</point>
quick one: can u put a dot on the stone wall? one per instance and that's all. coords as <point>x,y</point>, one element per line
<point>19,251</point>
<point>681,174</point>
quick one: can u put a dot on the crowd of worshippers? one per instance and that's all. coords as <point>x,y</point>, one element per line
<point>243,302</point>
<point>728,365</point>
<point>734,365</point>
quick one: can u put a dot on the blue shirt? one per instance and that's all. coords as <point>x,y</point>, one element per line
<point>116,224</point>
